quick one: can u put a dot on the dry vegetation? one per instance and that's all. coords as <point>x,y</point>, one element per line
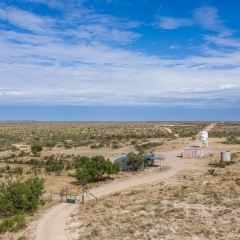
<point>197,204</point>
<point>60,140</point>
<point>192,205</point>
<point>94,135</point>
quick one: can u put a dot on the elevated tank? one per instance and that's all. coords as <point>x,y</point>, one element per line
<point>225,156</point>
<point>203,138</point>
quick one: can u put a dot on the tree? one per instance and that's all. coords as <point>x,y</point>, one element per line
<point>36,165</point>
<point>94,168</point>
<point>135,160</point>
<point>36,148</point>
<point>21,197</point>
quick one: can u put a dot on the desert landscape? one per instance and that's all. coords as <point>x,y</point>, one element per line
<point>187,198</point>
<point>119,120</point>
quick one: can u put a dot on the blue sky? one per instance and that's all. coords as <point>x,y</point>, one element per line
<point>132,58</point>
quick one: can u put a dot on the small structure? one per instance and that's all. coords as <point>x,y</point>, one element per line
<point>150,161</point>
<point>203,138</point>
<point>225,157</point>
<point>192,153</point>
<point>124,166</point>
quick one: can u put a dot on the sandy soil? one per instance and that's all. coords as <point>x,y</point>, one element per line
<point>52,224</point>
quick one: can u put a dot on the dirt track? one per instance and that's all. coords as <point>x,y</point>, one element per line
<point>52,225</point>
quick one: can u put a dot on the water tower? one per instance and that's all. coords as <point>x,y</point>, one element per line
<point>203,139</point>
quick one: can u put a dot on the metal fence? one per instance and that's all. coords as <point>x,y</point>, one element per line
<point>69,195</point>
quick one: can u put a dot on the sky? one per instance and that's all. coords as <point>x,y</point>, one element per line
<point>90,60</point>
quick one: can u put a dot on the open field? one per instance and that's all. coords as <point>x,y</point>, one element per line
<point>67,141</point>
<point>187,191</point>
<point>191,205</point>
<point>94,135</point>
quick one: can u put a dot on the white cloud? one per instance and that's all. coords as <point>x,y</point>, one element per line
<point>206,17</point>
<point>223,41</point>
<point>69,61</point>
<point>174,47</point>
<point>174,23</point>
<point>228,86</point>
<point>116,85</point>
<point>24,19</point>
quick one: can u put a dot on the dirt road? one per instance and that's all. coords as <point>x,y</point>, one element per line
<point>52,225</point>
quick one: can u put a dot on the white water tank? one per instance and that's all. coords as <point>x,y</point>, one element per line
<point>203,138</point>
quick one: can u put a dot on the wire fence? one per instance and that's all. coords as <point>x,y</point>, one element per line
<point>69,195</point>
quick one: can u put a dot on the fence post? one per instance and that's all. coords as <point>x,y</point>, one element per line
<point>82,194</point>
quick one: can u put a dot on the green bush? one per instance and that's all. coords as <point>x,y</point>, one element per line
<point>135,160</point>
<point>36,148</point>
<point>53,164</point>
<point>21,197</point>
<point>94,168</point>
<point>13,224</point>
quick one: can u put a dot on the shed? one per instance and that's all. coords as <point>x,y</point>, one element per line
<point>123,164</point>
<point>192,153</point>
<point>150,157</point>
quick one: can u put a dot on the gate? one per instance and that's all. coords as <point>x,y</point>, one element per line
<point>72,197</point>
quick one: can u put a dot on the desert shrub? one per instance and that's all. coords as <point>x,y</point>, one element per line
<point>234,156</point>
<point>14,148</point>
<point>97,146</point>
<point>232,140</point>
<point>36,165</point>
<point>12,155</point>
<point>53,164</point>
<point>18,170</point>
<point>220,165</point>
<point>68,167</point>
<point>115,146</point>
<point>21,197</point>
<point>36,148</point>
<point>67,145</point>
<point>49,143</point>
<point>22,238</point>
<point>8,167</point>
<point>13,223</point>
<point>22,153</point>
<point>147,146</point>
<point>187,134</point>
<point>211,171</point>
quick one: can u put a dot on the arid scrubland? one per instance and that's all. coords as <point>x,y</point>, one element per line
<point>191,205</point>
<point>64,143</point>
<point>93,135</point>
<point>197,203</point>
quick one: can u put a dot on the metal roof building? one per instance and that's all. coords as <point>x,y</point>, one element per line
<point>150,157</point>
